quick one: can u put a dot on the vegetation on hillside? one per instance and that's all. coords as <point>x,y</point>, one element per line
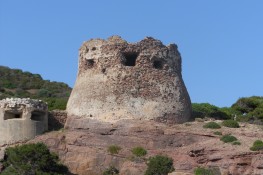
<point>23,84</point>
<point>230,124</point>
<point>159,165</point>
<point>257,146</point>
<point>17,83</point>
<point>139,151</point>
<point>228,138</point>
<point>202,110</point>
<point>32,159</point>
<point>212,125</point>
<point>246,109</point>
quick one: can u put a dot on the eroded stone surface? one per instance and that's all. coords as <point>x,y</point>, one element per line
<point>84,151</point>
<point>120,80</point>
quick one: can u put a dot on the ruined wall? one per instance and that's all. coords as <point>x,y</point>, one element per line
<point>21,119</point>
<point>121,80</point>
<point>56,119</point>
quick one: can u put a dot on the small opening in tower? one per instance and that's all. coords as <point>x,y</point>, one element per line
<point>37,116</point>
<point>90,63</point>
<point>12,115</point>
<point>158,64</point>
<point>93,48</point>
<point>130,58</point>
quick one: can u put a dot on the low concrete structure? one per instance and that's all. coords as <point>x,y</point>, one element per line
<point>22,119</point>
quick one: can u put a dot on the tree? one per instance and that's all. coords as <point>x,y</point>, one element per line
<point>159,165</point>
<point>32,159</point>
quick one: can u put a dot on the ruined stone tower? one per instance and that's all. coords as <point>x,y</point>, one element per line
<point>22,119</point>
<point>120,80</point>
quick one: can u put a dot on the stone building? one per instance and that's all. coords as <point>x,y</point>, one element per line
<point>120,80</point>
<point>22,119</point>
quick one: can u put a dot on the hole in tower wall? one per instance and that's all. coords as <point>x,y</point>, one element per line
<point>158,64</point>
<point>37,116</point>
<point>90,63</point>
<point>130,58</point>
<point>12,115</point>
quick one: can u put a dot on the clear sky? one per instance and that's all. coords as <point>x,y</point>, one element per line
<point>221,41</point>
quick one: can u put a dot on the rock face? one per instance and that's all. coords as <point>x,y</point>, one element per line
<point>22,119</point>
<point>85,151</point>
<point>120,80</point>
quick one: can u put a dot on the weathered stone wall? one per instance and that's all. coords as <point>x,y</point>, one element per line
<point>121,80</point>
<point>56,119</point>
<point>21,119</point>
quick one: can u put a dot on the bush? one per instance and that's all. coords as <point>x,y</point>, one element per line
<point>228,138</point>
<point>218,133</point>
<point>257,146</point>
<point>212,125</point>
<point>247,104</point>
<point>249,109</point>
<point>139,151</point>
<point>114,149</point>
<point>111,171</point>
<point>159,165</point>
<point>230,124</point>
<point>236,143</point>
<point>203,171</point>
<point>32,159</point>
<point>202,110</point>
<point>56,103</point>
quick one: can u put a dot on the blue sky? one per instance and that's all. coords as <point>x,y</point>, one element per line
<point>221,41</point>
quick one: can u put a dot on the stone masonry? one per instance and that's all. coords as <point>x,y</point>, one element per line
<point>120,80</point>
<point>22,119</point>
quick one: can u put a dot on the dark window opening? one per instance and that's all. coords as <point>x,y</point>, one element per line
<point>157,64</point>
<point>37,116</point>
<point>130,59</point>
<point>93,48</point>
<point>12,115</point>
<point>103,70</point>
<point>90,63</point>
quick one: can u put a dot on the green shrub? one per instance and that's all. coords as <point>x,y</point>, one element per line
<point>202,110</point>
<point>228,138</point>
<point>111,171</point>
<point>212,125</point>
<point>27,85</point>
<point>230,124</point>
<point>247,104</point>
<point>257,146</point>
<point>236,143</point>
<point>203,171</point>
<point>159,165</point>
<point>139,151</point>
<point>218,133</point>
<point>32,159</point>
<point>56,103</point>
<point>250,109</point>
<point>114,149</point>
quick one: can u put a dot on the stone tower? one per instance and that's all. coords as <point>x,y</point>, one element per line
<point>120,80</point>
<point>22,119</point>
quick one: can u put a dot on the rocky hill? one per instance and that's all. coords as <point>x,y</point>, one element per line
<point>87,150</point>
<point>23,84</point>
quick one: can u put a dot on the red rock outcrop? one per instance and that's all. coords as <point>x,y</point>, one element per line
<point>84,151</point>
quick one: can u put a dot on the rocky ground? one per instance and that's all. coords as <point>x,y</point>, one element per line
<point>84,151</point>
